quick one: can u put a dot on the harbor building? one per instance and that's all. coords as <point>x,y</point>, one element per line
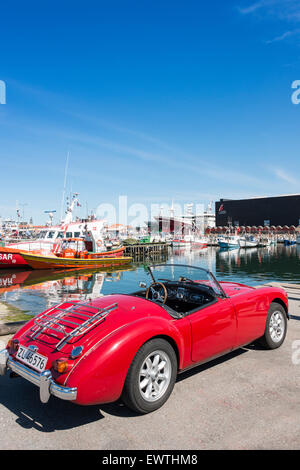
<point>259,211</point>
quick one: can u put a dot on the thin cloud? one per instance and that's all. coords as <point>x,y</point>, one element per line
<point>288,10</point>
<point>281,174</point>
<point>283,36</point>
<point>257,6</point>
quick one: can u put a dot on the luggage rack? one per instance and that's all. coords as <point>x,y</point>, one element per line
<point>56,321</point>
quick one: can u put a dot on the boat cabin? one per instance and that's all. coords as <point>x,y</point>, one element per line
<point>83,248</point>
<point>72,248</point>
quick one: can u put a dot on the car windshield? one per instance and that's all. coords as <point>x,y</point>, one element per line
<point>179,272</point>
<point>128,281</point>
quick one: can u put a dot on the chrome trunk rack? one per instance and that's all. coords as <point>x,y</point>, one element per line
<point>68,323</point>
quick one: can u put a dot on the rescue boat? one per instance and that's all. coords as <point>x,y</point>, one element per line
<point>54,262</point>
<point>73,253</point>
<point>93,231</point>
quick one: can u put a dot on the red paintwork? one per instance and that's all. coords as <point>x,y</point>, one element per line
<point>10,258</point>
<point>99,373</point>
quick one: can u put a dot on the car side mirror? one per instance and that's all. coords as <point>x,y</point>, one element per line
<point>143,285</point>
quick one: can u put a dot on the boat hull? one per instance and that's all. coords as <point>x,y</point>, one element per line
<point>199,244</point>
<point>289,242</point>
<point>54,262</point>
<point>247,244</point>
<point>178,243</point>
<point>228,245</point>
<point>10,258</point>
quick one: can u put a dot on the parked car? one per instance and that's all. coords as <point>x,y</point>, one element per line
<point>133,345</point>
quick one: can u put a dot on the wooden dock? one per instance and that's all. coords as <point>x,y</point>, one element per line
<point>147,250</point>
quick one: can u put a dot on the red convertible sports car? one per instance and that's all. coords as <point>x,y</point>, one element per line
<point>133,345</point>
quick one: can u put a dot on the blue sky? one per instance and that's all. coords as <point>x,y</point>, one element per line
<point>155,99</point>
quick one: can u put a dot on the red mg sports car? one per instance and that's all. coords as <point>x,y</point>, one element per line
<point>133,345</point>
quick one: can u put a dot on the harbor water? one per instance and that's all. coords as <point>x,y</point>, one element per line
<point>34,291</point>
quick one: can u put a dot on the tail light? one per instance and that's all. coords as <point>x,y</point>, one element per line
<point>13,345</point>
<point>60,365</point>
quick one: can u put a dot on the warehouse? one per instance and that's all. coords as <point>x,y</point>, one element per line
<point>265,211</point>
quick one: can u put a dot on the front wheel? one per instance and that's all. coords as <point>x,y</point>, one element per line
<point>151,376</point>
<point>276,326</point>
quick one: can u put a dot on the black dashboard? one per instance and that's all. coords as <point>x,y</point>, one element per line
<point>188,292</point>
<point>182,297</point>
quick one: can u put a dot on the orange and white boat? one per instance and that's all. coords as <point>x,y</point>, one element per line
<point>93,231</point>
<point>74,253</point>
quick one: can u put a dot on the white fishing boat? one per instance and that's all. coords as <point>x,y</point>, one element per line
<point>182,241</point>
<point>192,241</point>
<point>247,242</point>
<point>228,241</point>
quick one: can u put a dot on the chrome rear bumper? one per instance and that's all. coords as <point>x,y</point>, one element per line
<point>44,380</point>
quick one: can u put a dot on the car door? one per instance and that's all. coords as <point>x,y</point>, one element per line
<point>251,312</point>
<point>213,329</point>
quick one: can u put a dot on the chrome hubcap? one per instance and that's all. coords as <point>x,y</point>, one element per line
<point>276,326</point>
<point>155,376</point>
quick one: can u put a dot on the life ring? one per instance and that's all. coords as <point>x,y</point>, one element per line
<point>99,243</point>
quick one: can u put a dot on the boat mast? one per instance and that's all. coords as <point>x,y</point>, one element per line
<point>65,182</point>
<point>69,212</point>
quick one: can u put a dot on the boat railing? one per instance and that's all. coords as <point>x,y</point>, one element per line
<point>34,245</point>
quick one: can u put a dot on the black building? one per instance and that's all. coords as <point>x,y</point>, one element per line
<point>278,210</point>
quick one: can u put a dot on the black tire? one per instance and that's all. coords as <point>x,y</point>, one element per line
<point>134,395</point>
<point>273,341</point>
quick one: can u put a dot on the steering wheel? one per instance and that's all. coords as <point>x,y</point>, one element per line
<point>155,293</point>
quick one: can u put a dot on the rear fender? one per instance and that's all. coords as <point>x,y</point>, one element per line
<point>276,295</point>
<point>100,374</point>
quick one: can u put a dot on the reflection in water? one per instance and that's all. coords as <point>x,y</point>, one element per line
<point>257,265</point>
<point>34,291</point>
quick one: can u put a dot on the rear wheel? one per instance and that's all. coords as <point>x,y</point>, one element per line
<point>151,376</point>
<point>276,326</point>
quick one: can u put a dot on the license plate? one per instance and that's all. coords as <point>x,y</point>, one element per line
<point>31,358</point>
